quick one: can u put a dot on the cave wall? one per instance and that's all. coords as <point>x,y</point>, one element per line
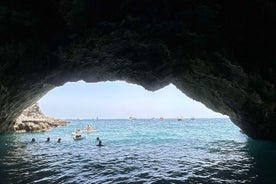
<point>220,53</point>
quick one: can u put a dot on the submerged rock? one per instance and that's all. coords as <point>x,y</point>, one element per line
<point>33,120</point>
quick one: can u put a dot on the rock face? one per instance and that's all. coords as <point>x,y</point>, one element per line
<point>33,120</point>
<point>221,53</point>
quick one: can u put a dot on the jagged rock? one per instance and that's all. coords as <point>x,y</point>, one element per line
<point>33,120</point>
<point>221,53</point>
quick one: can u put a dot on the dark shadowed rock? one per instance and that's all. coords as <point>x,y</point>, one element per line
<point>221,53</point>
<point>33,120</point>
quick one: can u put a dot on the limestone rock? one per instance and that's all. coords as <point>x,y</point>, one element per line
<point>33,120</point>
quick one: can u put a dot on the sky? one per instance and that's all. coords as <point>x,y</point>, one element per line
<point>120,100</point>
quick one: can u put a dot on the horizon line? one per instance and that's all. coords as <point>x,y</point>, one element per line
<point>142,118</point>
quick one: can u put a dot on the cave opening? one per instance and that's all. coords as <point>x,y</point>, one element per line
<point>121,100</point>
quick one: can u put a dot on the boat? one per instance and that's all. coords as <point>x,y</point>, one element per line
<point>179,119</point>
<point>131,118</point>
<point>77,135</point>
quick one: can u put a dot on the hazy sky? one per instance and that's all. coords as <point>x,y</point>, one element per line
<point>120,100</point>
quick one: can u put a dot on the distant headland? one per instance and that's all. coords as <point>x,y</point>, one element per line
<point>33,120</point>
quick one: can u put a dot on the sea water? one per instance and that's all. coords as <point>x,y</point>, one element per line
<point>139,151</point>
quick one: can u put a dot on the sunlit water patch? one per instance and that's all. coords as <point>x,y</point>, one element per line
<point>139,151</point>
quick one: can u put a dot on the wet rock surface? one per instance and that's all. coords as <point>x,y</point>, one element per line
<point>219,53</point>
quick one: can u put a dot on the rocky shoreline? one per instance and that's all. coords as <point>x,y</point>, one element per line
<point>33,120</point>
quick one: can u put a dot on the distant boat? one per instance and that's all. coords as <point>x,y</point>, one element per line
<point>161,118</point>
<point>179,119</point>
<point>192,118</point>
<point>132,118</point>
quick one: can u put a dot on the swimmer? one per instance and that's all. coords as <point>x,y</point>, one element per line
<point>100,143</point>
<point>77,136</point>
<point>59,139</point>
<point>33,139</point>
<point>97,139</point>
<point>48,139</point>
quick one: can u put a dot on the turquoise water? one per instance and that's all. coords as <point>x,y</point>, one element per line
<point>140,151</point>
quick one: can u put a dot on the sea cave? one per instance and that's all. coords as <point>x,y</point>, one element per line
<point>221,53</point>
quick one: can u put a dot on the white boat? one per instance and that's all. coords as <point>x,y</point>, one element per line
<point>132,118</point>
<point>179,119</point>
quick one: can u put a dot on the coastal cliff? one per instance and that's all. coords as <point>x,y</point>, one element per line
<point>33,120</point>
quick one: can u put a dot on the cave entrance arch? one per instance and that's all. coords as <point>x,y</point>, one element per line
<point>228,94</point>
<point>204,48</point>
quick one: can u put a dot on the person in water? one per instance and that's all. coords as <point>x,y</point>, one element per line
<point>77,133</point>
<point>88,128</point>
<point>33,139</point>
<point>100,143</point>
<point>77,136</point>
<point>97,139</point>
<point>48,139</point>
<point>59,139</point>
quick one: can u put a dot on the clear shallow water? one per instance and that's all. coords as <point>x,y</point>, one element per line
<point>140,151</point>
